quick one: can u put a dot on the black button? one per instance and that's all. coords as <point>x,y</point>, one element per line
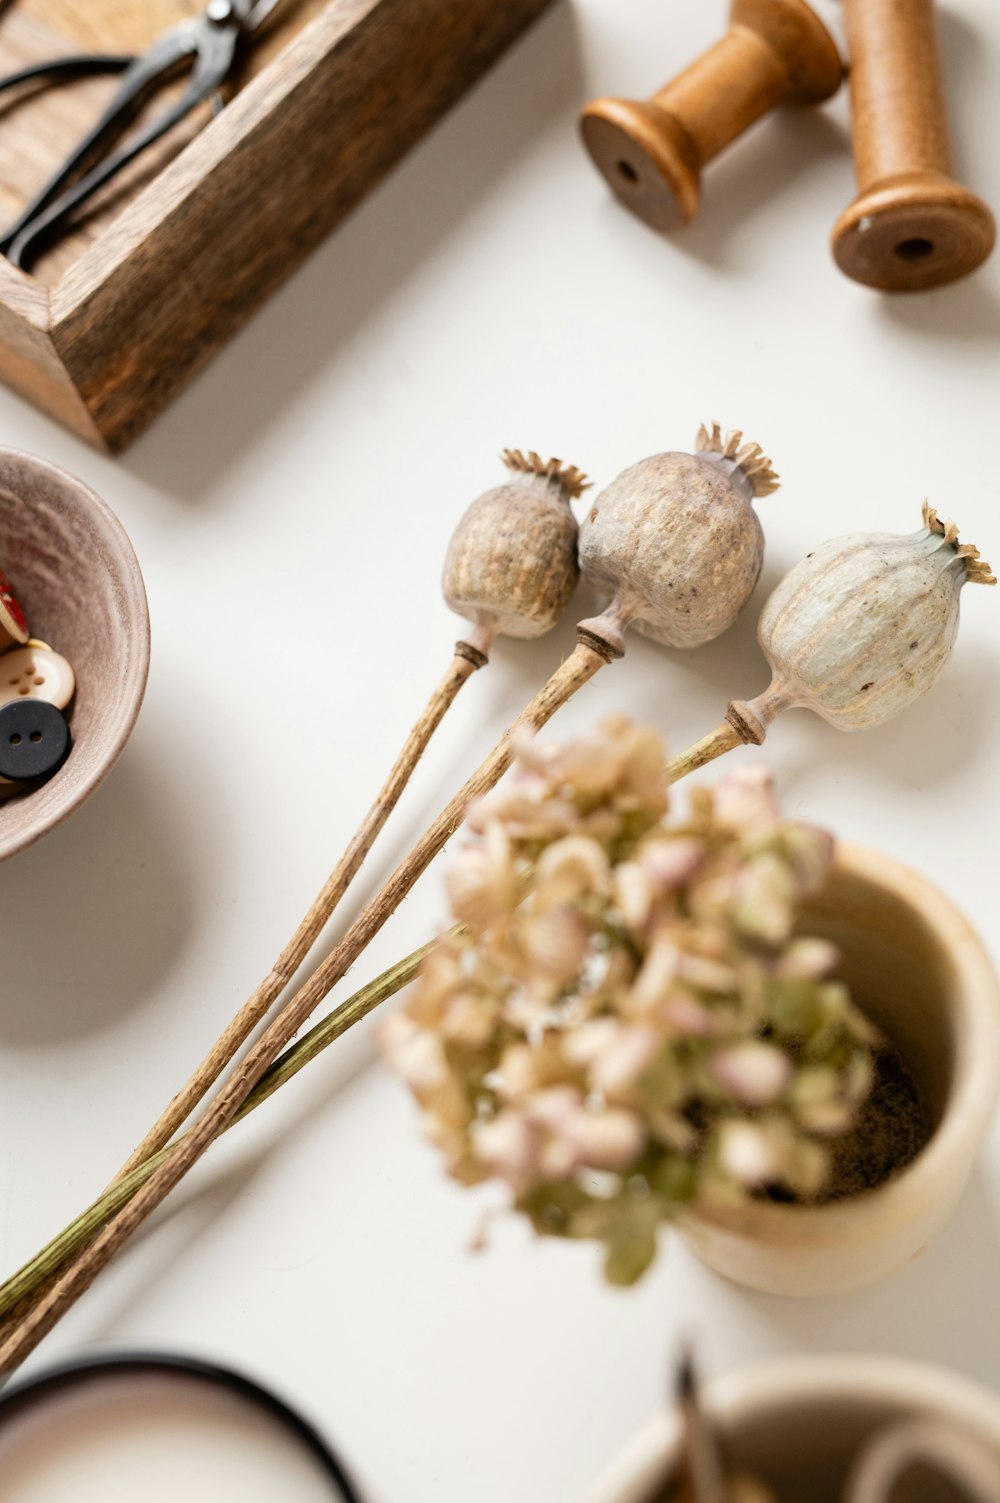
<point>34,740</point>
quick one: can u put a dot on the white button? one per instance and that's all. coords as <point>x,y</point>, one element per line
<point>27,673</point>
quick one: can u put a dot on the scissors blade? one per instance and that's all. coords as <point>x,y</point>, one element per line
<point>259,13</point>
<point>213,48</point>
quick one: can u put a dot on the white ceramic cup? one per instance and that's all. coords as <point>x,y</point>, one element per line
<point>160,1429</point>
<point>799,1422</point>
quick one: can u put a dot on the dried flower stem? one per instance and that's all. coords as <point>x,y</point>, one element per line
<point>465,662</point>
<point>577,670</point>
<point>723,739</point>
<point>21,1293</point>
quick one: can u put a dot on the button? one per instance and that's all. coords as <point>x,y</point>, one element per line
<point>13,627</point>
<point>34,740</point>
<point>27,673</point>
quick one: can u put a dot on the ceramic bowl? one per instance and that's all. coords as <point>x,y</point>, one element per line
<point>76,576</point>
<point>128,1409</point>
<point>798,1423</point>
<point>917,967</point>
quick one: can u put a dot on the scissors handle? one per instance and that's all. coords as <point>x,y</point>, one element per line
<point>63,69</point>
<point>210,44</point>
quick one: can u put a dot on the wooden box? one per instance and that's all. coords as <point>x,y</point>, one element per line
<point>180,250</point>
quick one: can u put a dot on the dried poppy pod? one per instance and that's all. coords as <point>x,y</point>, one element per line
<point>863,626</point>
<point>676,542</point>
<point>511,565</point>
<point>857,631</point>
<point>742,469</point>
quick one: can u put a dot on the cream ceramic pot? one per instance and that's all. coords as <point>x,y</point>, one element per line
<point>798,1424</point>
<point>920,971</point>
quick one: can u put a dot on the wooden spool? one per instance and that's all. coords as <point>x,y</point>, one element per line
<point>652,151</point>
<point>912,225</point>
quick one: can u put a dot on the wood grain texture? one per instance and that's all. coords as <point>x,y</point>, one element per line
<point>912,226</point>
<point>28,359</point>
<point>652,151</point>
<point>329,112</point>
<point>38,128</point>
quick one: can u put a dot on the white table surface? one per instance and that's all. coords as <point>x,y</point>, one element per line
<point>301,494</point>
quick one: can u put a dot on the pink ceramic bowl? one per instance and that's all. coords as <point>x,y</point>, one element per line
<point>77,578</point>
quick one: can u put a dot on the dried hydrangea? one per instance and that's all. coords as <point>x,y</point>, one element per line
<point>628,1021</point>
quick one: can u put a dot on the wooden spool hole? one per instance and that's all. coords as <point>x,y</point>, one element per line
<point>912,226</point>
<point>652,151</point>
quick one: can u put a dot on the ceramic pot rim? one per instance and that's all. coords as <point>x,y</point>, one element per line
<point>780,1382</point>
<point>973,1088</point>
<point>80,1370</point>
<point>133,687</point>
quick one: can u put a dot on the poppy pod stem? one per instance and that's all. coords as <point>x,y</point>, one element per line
<point>492,578</point>
<point>21,1340</point>
<point>723,739</point>
<point>467,659</point>
<point>746,724</point>
<point>504,572</point>
<point>21,1293</point>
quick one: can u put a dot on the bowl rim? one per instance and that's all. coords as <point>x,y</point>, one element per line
<point>78,1371</point>
<point>137,677</point>
<point>777,1383</point>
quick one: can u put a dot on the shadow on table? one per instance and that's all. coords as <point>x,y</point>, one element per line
<point>95,915</point>
<point>749,180</point>
<point>399,226</point>
<point>941,1308</point>
<point>966,311</point>
<point>928,746</point>
<point>209,1195</point>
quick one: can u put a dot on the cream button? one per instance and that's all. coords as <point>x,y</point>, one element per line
<point>27,673</point>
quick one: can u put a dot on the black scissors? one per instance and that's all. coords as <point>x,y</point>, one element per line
<point>208,44</point>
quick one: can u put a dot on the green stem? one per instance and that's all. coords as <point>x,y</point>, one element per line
<point>21,1284</point>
